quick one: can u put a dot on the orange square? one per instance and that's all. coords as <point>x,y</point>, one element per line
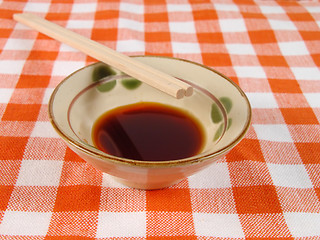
<point>62,1</point>
<point>21,112</point>
<point>273,61</point>
<point>72,156</point>
<point>156,17</point>
<point>172,237</point>
<point>253,15</point>
<point>106,14</point>
<point>304,17</point>
<point>157,37</point>
<point>7,153</point>
<point>77,198</point>
<point>284,86</point>
<point>318,192</point>
<point>154,2</point>
<point>5,196</point>
<point>205,14</point>
<point>43,55</point>
<point>210,37</point>
<point>43,36</point>
<point>309,152</point>
<point>73,224</point>
<point>33,81</point>
<point>262,36</point>
<point>5,33</point>
<point>216,59</point>
<point>247,149</point>
<point>105,34</point>
<point>310,35</point>
<point>67,238</point>
<point>316,58</point>
<point>7,13</point>
<point>256,199</point>
<point>59,16</point>
<point>299,116</point>
<point>169,200</point>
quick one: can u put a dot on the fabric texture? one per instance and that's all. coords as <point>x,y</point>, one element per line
<point>267,187</point>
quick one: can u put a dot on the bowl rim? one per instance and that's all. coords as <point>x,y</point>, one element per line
<point>90,150</point>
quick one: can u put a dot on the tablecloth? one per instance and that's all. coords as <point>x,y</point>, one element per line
<point>267,187</point>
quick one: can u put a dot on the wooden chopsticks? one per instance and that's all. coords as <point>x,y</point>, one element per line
<point>138,70</point>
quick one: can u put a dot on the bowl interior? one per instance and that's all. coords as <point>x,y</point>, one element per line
<point>217,103</point>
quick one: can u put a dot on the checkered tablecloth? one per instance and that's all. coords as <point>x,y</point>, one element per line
<point>268,186</point>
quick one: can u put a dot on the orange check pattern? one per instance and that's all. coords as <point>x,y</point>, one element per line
<point>268,187</point>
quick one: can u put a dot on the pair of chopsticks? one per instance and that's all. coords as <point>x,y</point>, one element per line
<point>138,70</point>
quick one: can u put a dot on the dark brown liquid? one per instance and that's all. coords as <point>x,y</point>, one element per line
<point>148,131</point>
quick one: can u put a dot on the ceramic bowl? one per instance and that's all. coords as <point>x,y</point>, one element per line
<point>218,104</point>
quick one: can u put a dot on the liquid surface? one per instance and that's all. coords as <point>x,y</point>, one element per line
<point>148,131</point>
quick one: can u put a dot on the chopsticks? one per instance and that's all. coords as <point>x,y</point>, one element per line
<point>138,70</point>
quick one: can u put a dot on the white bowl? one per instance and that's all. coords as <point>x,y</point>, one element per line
<point>220,105</point>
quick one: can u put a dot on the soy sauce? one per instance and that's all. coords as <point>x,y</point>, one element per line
<point>148,131</point>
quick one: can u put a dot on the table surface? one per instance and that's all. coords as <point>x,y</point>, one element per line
<point>267,186</point>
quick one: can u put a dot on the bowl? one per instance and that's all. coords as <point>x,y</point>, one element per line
<point>218,104</point>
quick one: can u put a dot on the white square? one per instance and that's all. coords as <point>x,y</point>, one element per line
<point>179,8</point>
<point>250,72</point>
<point>232,25</point>
<point>25,223</point>
<point>44,129</point>
<point>84,7</point>
<point>303,224</point>
<point>293,48</point>
<point>39,173</point>
<point>5,94</point>
<point>262,100</point>
<point>313,9</point>
<point>132,8</point>
<point>110,182</point>
<point>273,132</point>
<point>294,176</point>
<point>185,47</point>
<point>306,73</point>
<point>282,25</point>
<point>18,44</point>
<point>67,48</point>
<point>226,7</point>
<point>215,176</point>
<point>131,24</point>
<point>64,68</point>
<point>11,66</point>
<point>131,46</point>
<point>37,7</point>
<point>47,95</point>
<point>121,224</point>
<point>218,225</point>
<point>182,27</point>
<point>80,24</point>
<point>271,9</point>
<point>313,99</point>
<point>240,49</point>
